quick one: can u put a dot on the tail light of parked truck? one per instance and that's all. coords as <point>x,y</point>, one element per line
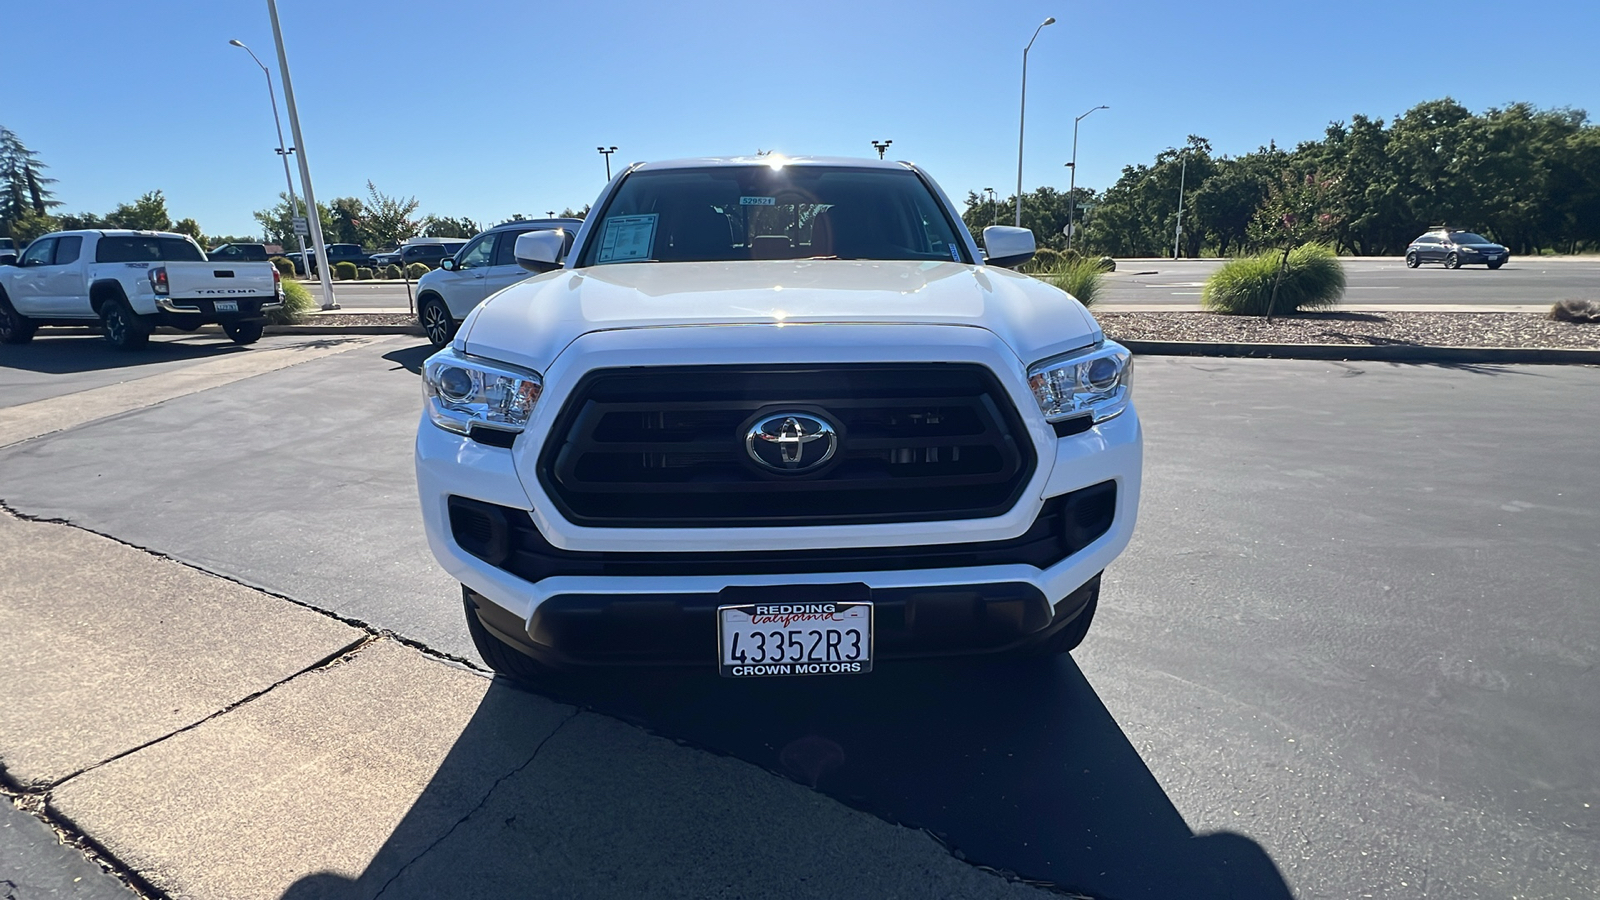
<point>277,283</point>
<point>158,281</point>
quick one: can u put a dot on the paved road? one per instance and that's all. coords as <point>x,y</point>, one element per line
<point>1351,652</point>
<point>1533,280</point>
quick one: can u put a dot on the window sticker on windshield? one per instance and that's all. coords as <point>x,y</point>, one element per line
<point>758,201</point>
<point>627,238</point>
<point>954,253</point>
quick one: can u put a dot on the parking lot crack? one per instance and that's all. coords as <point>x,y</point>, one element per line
<point>482,801</point>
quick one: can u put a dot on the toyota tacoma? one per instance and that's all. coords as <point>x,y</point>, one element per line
<point>777,416</point>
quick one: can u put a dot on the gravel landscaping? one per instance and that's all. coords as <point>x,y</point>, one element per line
<point>1417,328</point>
<point>1372,329</point>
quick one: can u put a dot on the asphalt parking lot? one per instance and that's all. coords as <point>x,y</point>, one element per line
<point>1351,652</point>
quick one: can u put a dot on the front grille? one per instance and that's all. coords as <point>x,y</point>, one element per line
<point>508,539</point>
<point>665,447</point>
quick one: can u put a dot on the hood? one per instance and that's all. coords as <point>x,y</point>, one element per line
<point>530,323</point>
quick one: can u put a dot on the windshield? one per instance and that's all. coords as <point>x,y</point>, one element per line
<point>1467,237</point>
<point>140,248</point>
<point>766,212</point>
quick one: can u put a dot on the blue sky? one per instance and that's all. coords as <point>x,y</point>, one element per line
<point>496,107</point>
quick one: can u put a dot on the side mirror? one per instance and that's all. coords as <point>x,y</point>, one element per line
<point>540,251</point>
<point>448,264</point>
<point>1008,247</point>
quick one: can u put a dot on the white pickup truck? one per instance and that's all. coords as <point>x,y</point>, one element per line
<point>130,282</point>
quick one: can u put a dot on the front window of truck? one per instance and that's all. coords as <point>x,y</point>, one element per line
<point>772,212</point>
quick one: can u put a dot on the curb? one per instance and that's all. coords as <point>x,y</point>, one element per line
<point>342,329</point>
<point>1407,353</point>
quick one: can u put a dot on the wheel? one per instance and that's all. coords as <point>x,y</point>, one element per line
<point>1496,265</point>
<point>243,332</point>
<point>503,658</point>
<point>436,321</point>
<point>14,326</point>
<point>1412,260</point>
<point>1452,261</point>
<point>123,330</point>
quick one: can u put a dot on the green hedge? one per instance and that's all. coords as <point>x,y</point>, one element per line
<point>344,271</point>
<point>1082,278</point>
<point>363,274</point>
<point>1243,287</point>
<point>416,270</point>
<point>284,265</point>
<point>391,271</point>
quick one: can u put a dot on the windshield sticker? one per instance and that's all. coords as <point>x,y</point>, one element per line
<point>954,253</point>
<point>758,201</point>
<point>627,238</point>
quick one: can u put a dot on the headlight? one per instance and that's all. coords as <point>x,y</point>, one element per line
<point>1097,383</point>
<point>462,391</point>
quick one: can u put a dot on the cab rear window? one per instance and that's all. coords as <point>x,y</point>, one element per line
<point>138,248</point>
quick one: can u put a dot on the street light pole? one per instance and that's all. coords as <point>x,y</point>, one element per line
<point>881,146</point>
<point>606,152</point>
<point>283,151</point>
<point>994,211</point>
<point>1183,175</point>
<point>315,220</point>
<point>1023,118</point>
<point>1072,189</point>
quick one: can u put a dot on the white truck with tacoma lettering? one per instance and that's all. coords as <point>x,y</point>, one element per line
<point>130,282</point>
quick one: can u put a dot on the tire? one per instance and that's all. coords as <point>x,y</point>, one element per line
<point>436,322</point>
<point>1452,261</point>
<point>1496,265</point>
<point>15,328</point>
<point>242,332</point>
<point>123,330</point>
<point>1412,261</point>
<point>503,658</point>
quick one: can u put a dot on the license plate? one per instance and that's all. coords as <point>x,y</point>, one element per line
<point>795,638</point>
<point>227,306</point>
<point>1494,259</point>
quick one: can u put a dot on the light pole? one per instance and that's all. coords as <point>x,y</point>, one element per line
<point>1072,189</point>
<point>1183,175</point>
<point>606,152</point>
<point>994,211</point>
<point>315,220</point>
<point>1023,117</point>
<point>294,204</point>
<point>881,146</point>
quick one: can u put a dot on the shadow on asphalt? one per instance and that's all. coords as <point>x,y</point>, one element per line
<point>61,354</point>
<point>1018,767</point>
<point>411,358</point>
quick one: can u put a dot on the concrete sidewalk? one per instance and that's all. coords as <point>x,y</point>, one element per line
<point>216,741</point>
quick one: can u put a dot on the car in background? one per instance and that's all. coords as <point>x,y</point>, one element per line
<point>8,248</point>
<point>487,264</point>
<point>337,253</point>
<point>1454,249</point>
<point>429,251</point>
<point>238,253</point>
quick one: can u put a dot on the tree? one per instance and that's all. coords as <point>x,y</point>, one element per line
<point>148,213</point>
<point>192,229</point>
<point>386,221</point>
<point>1293,214</point>
<point>277,224</point>
<point>348,213</point>
<point>23,189</point>
<point>437,226</point>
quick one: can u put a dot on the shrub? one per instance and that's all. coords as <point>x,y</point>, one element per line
<point>296,303</point>
<point>416,270</point>
<point>1580,311</point>
<point>1044,259</point>
<point>1243,286</point>
<point>284,265</point>
<point>391,271</point>
<point>1079,277</point>
<point>363,274</point>
<point>344,271</point>
<point>1107,264</point>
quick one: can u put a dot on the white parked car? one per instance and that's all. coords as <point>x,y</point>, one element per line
<point>483,266</point>
<point>130,282</point>
<point>778,417</point>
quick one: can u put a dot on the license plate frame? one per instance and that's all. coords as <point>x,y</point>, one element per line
<point>806,622</point>
<point>227,306</point>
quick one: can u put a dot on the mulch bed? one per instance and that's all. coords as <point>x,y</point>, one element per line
<point>1414,328</point>
<point>1451,329</point>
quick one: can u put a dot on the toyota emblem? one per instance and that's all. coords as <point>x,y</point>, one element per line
<point>793,442</point>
